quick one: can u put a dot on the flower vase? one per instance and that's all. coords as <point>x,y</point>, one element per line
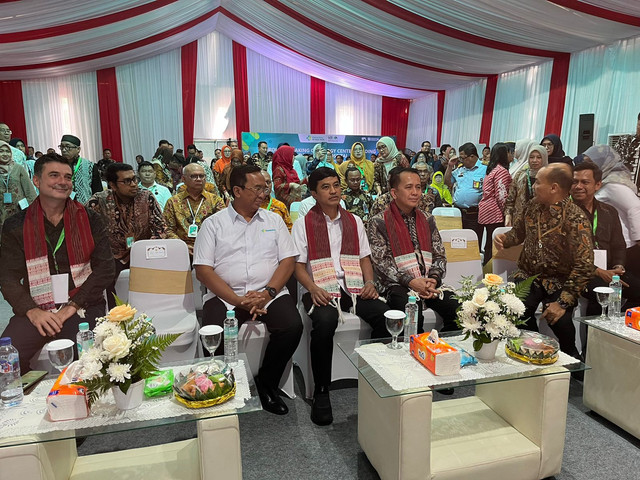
<point>130,400</point>
<point>487,351</point>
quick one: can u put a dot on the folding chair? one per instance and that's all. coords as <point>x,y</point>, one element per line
<point>447,218</point>
<point>463,258</point>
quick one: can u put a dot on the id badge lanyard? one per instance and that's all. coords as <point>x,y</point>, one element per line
<point>595,227</point>
<point>269,206</point>
<point>55,250</point>
<point>193,228</point>
<point>7,194</point>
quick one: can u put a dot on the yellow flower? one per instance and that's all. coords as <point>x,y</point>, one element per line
<point>492,279</point>
<point>121,313</point>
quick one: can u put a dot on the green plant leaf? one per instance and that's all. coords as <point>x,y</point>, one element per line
<point>118,301</point>
<point>523,288</point>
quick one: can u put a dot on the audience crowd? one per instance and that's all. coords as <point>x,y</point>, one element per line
<point>364,240</point>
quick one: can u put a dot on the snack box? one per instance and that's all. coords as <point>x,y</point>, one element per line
<point>67,401</point>
<point>632,318</point>
<point>439,357</point>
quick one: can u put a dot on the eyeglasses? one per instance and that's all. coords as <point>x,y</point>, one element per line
<point>129,181</point>
<point>66,147</point>
<point>5,130</point>
<point>259,190</point>
<point>197,176</point>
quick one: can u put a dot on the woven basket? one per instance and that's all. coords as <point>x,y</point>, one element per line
<point>206,403</point>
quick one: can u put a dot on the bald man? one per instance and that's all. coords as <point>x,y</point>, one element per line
<point>185,211</point>
<point>558,248</point>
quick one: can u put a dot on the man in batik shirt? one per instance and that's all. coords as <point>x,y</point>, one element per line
<point>426,202</point>
<point>130,213</point>
<point>274,205</point>
<point>558,248</point>
<point>357,202</point>
<point>628,147</point>
<point>86,176</point>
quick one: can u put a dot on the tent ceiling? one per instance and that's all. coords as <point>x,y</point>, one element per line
<point>400,48</point>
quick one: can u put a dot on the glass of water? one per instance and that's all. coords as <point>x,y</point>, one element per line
<point>395,323</point>
<point>211,336</point>
<point>60,353</point>
<point>603,295</point>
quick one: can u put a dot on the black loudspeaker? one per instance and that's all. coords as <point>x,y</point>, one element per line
<point>585,132</point>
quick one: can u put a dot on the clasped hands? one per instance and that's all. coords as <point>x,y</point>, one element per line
<point>322,298</point>
<point>50,323</point>
<point>255,302</point>
<point>425,287</point>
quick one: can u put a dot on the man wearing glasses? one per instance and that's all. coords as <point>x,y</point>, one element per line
<point>185,211</point>
<point>245,255</point>
<point>130,214</point>
<point>86,177</point>
<point>17,154</point>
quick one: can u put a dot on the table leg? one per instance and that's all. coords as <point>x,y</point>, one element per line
<point>219,445</point>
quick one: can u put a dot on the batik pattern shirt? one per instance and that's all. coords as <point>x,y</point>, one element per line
<point>359,203</point>
<point>557,247</point>
<point>18,185</point>
<point>382,257</point>
<point>276,206</point>
<point>140,219</point>
<point>628,147</point>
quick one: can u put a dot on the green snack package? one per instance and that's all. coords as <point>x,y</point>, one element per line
<point>159,384</point>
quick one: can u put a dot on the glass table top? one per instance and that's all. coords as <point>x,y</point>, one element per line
<point>613,326</point>
<point>395,372</point>
<point>29,422</point>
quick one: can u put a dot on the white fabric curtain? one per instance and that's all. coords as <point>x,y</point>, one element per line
<point>279,96</point>
<point>150,95</point>
<point>215,115</point>
<point>520,109</point>
<point>63,105</point>
<point>423,121</point>
<point>603,81</point>
<point>350,112</point>
<point>463,114</point>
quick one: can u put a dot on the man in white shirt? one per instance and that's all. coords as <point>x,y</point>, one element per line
<point>245,255</point>
<point>147,176</point>
<point>334,266</point>
<point>310,202</point>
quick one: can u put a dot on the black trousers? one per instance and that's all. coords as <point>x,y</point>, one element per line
<point>563,328</point>
<point>398,296</point>
<point>285,329</point>
<point>488,243</point>
<point>470,221</point>
<point>27,340</point>
<point>324,321</point>
<point>111,290</point>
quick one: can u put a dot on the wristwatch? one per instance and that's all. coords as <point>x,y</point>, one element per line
<point>271,291</point>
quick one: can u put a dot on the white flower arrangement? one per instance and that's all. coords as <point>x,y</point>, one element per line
<point>126,350</point>
<point>490,310</point>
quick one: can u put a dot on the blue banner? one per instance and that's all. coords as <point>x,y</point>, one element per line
<point>304,142</point>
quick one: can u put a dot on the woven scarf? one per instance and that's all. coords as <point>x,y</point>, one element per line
<point>404,253</point>
<point>322,269</point>
<point>79,242</point>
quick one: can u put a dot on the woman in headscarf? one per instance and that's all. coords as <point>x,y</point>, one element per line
<point>286,183</point>
<point>160,162</point>
<point>389,158</point>
<point>19,144</point>
<point>437,183</point>
<point>235,160</point>
<point>521,189</point>
<point>520,159</point>
<point>15,185</point>
<point>320,153</point>
<point>220,165</point>
<point>358,160</point>
<point>619,191</point>
<point>495,189</point>
<point>555,153</point>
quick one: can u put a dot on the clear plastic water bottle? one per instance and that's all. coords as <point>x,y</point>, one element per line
<point>10,381</point>
<point>615,299</point>
<point>84,338</point>
<point>410,320</point>
<point>231,338</point>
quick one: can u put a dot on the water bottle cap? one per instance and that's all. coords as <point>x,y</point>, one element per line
<point>412,299</point>
<point>231,314</point>
<point>83,326</point>
<point>4,341</point>
<point>616,278</point>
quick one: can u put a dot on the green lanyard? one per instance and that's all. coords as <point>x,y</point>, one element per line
<point>595,227</point>
<point>269,206</point>
<point>55,250</point>
<point>76,168</point>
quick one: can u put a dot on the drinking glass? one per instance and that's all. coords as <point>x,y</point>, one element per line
<point>603,294</point>
<point>60,353</point>
<point>395,323</point>
<point>211,336</point>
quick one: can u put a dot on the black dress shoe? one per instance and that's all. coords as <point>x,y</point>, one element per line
<point>446,391</point>
<point>321,413</point>
<point>270,399</point>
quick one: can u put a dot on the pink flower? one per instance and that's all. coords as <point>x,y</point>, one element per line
<point>203,383</point>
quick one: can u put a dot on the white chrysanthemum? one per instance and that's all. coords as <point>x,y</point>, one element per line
<point>471,324</point>
<point>118,372</point>
<point>492,307</point>
<point>493,330</point>
<point>91,355</point>
<point>513,303</point>
<point>513,331</point>
<point>106,329</point>
<point>90,370</point>
<point>501,322</point>
<point>468,308</point>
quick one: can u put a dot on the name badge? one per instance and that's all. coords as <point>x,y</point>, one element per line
<point>8,198</point>
<point>129,242</point>
<point>24,203</point>
<point>477,184</point>
<point>60,288</point>
<point>72,196</point>
<point>193,231</point>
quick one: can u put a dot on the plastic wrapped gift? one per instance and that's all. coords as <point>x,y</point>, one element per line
<point>632,318</point>
<point>206,384</point>
<point>533,347</point>
<point>435,354</point>
<point>65,400</point>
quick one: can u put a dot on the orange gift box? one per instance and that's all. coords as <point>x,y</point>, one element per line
<point>632,318</point>
<point>438,356</point>
<point>67,401</point>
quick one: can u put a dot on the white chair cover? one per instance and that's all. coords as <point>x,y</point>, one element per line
<point>461,261</point>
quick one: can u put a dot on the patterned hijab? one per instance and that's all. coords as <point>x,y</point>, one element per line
<point>613,169</point>
<point>391,146</point>
<point>4,167</point>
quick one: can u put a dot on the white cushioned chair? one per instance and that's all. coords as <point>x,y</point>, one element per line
<point>463,261</point>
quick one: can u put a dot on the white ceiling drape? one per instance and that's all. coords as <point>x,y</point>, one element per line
<point>423,122</point>
<point>349,112</point>
<point>463,114</point>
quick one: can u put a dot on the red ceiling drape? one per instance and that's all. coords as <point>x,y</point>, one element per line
<point>189,62</point>
<point>241,90</point>
<point>109,112</point>
<point>395,118</point>
<point>441,95</point>
<point>487,111</point>
<point>12,108</point>
<point>318,108</point>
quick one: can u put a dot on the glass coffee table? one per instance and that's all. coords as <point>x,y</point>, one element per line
<point>514,423</point>
<point>30,441</point>
<point>611,387</point>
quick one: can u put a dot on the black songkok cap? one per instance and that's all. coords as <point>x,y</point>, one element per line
<point>71,139</point>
